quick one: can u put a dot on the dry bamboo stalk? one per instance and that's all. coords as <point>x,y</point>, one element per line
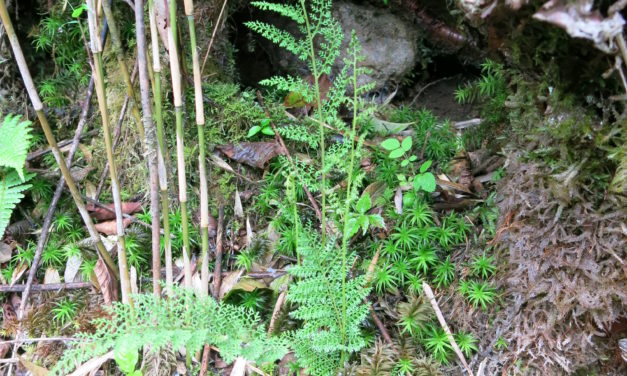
<point>202,169</point>
<point>162,152</point>
<point>429,293</point>
<point>98,73</point>
<point>175,72</point>
<point>150,145</point>
<point>43,120</point>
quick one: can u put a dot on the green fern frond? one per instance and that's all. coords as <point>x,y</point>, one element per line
<point>14,143</point>
<point>280,37</point>
<point>11,188</point>
<point>287,10</point>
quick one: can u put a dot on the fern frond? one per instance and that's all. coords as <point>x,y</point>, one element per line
<point>280,37</point>
<point>287,10</point>
<point>290,84</point>
<point>11,188</point>
<point>14,143</point>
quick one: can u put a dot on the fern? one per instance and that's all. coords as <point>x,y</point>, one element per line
<point>183,320</point>
<point>325,333</point>
<point>14,143</point>
<point>11,188</point>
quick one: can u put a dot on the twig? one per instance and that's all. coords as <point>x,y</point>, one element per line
<point>427,86</point>
<point>424,145</point>
<point>34,340</point>
<point>217,272</point>
<point>287,153</point>
<point>45,287</point>
<point>39,153</point>
<point>204,366</point>
<point>213,35</point>
<point>429,293</point>
<point>380,326</point>
<point>277,309</point>
<point>467,123</point>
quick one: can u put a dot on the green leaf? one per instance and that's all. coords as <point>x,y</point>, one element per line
<point>412,158</point>
<point>407,142</point>
<point>425,182</point>
<point>14,143</point>
<point>394,154</point>
<point>265,123</point>
<point>376,220</point>
<point>254,130</point>
<point>76,13</point>
<point>364,204</point>
<point>363,223</point>
<point>425,166</point>
<point>352,227</point>
<point>390,144</point>
<point>267,131</point>
<point>126,356</point>
<point>405,162</point>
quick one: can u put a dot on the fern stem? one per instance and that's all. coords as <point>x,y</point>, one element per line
<point>316,77</point>
<point>202,174</point>
<point>180,149</point>
<point>43,120</point>
<point>119,54</point>
<point>162,152</point>
<point>96,49</point>
<point>151,145</point>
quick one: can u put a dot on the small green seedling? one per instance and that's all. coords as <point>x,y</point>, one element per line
<point>398,149</point>
<point>126,357</point>
<point>265,127</point>
<point>361,219</point>
<point>424,180</point>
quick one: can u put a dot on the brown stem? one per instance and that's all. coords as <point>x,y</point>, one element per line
<point>380,326</point>
<point>204,366</point>
<point>40,153</point>
<point>217,270</point>
<point>45,287</point>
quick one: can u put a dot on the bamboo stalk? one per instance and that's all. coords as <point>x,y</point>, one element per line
<point>175,72</point>
<point>119,54</point>
<point>162,152</point>
<point>150,144</point>
<point>43,120</point>
<point>96,49</point>
<point>202,174</point>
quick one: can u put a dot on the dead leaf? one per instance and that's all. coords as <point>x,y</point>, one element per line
<point>106,281</point>
<point>229,281</point>
<point>197,284</point>
<point>133,278</point>
<point>110,227</point>
<point>375,190</point>
<point>398,200</point>
<point>34,369</point>
<point>238,209</point>
<point>4,349</point>
<point>86,152</point>
<point>51,276</point>
<point>239,367</point>
<point>72,266</point>
<point>90,189</point>
<point>255,154</point>
<point>221,163</point>
<point>102,214</point>
<point>5,252</point>
<point>92,364</point>
<point>18,272</point>
<point>249,232</point>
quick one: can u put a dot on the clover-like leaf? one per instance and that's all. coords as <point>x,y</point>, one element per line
<point>76,13</point>
<point>364,204</point>
<point>406,144</point>
<point>425,182</point>
<point>391,144</point>
<point>267,131</point>
<point>254,130</point>
<point>396,153</point>
<point>425,166</point>
<point>405,162</point>
<point>413,158</point>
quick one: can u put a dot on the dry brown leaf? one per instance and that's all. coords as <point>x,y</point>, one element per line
<point>34,369</point>
<point>228,281</point>
<point>110,227</point>
<point>72,266</point>
<point>238,209</point>
<point>106,281</point>
<point>18,272</point>
<point>86,152</point>
<point>255,154</point>
<point>398,200</point>
<point>239,367</point>
<point>52,276</point>
<point>92,364</point>
<point>101,214</point>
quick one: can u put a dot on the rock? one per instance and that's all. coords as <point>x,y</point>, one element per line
<point>389,43</point>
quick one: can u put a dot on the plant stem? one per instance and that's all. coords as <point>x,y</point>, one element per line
<point>202,174</point>
<point>316,77</point>
<point>162,152</point>
<point>119,54</point>
<point>180,155</point>
<point>151,145</point>
<point>96,49</point>
<point>43,120</point>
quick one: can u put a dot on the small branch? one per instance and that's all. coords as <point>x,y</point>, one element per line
<point>380,326</point>
<point>213,35</point>
<point>467,123</point>
<point>217,270</point>
<point>35,340</point>
<point>204,366</point>
<point>45,287</point>
<point>429,293</point>
<point>39,153</point>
